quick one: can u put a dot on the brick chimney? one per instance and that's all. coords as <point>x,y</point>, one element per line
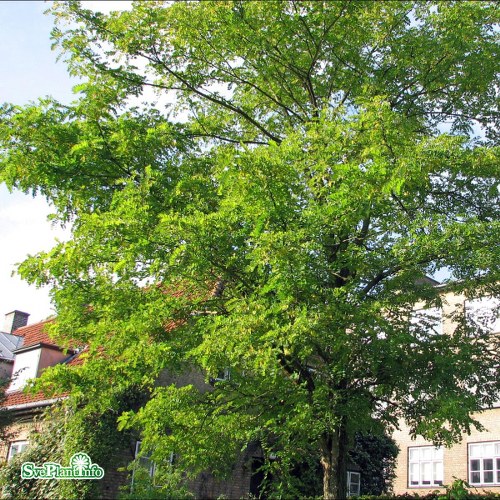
<point>14,320</point>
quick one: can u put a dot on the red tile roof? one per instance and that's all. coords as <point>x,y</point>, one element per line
<point>35,334</point>
<point>19,397</point>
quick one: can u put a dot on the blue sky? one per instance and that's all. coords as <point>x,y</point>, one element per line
<point>29,70</point>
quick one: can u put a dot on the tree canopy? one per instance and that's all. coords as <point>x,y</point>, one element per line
<point>263,187</point>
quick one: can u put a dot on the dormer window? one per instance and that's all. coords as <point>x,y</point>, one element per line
<point>31,360</point>
<point>25,368</point>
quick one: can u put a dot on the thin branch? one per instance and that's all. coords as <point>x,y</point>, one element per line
<point>210,97</point>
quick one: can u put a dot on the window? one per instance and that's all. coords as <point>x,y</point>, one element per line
<point>425,466</point>
<point>483,314</point>
<point>222,376</point>
<point>426,322</point>
<point>353,484</point>
<point>145,462</point>
<point>484,463</point>
<point>16,447</point>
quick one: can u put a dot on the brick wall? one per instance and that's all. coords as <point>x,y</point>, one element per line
<point>114,478</point>
<point>19,431</point>
<point>236,486</point>
<point>455,459</point>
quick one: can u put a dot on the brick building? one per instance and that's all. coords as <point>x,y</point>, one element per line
<point>422,468</point>
<point>26,350</point>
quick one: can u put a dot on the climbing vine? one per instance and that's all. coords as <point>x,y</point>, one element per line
<point>63,430</point>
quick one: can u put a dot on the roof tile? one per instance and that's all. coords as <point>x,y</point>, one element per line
<point>19,398</point>
<point>35,333</point>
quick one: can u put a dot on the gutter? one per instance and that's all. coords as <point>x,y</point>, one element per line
<point>25,406</point>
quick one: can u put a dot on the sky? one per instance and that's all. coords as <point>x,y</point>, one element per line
<point>29,69</point>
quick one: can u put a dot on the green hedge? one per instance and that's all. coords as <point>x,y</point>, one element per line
<point>432,496</point>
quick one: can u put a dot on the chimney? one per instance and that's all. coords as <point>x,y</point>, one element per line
<point>15,320</point>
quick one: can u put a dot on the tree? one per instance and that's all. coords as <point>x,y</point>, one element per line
<point>375,454</point>
<point>5,414</point>
<point>63,430</point>
<point>274,213</point>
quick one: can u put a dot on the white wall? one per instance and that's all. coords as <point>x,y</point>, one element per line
<point>25,367</point>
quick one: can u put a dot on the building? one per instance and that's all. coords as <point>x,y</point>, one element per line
<point>26,350</point>
<point>422,468</point>
<point>9,342</point>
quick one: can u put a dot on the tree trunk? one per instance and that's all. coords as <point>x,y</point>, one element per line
<point>334,463</point>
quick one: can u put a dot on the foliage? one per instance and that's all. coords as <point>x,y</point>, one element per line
<point>428,496</point>
<point>456,491</point>
<point>273,211</point>
<point>58,434</point>
<point>45,446</point>
<point>375,454</point>
<point>5,415</point>
<point>166,483</point>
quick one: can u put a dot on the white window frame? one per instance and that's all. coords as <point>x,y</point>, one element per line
<point>479,454</point>
<point>353,487</point>
<point>15,448</point>
<point>146,462</point>
<point>223,376</point>
<point>425,461</point>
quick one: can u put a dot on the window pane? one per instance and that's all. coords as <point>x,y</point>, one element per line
<point>488,450</point>
<point>475,450</point>
<point>353,486</point>
<point>483,313</point>
<point>16,448</point>
<point>438,472</point>
<point>475,465</point>
<point>488,464</point>
<point>475,477</point>
<point>426,322</point>
<point>425,466</point>
<point>414,473</point>
<point>426,470</point>
<point>488,476</point>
